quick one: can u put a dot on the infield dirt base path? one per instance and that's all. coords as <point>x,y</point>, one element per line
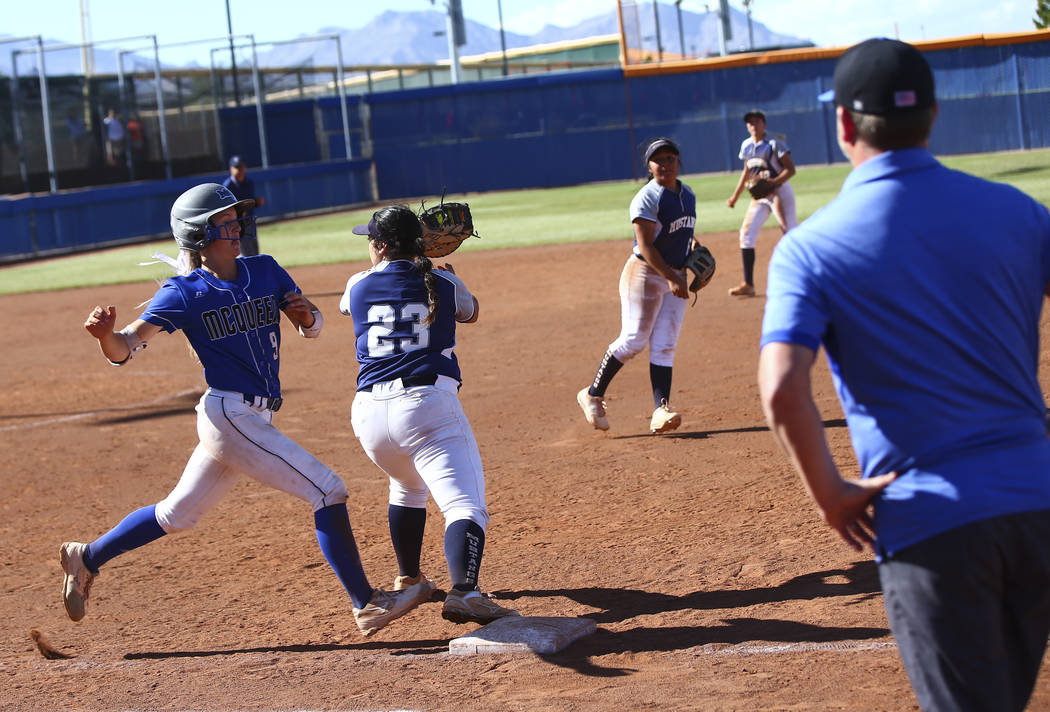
<point>712,581</point>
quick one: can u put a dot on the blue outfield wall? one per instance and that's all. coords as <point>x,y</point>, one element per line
<point>566,129</point>
<point>82,219</point>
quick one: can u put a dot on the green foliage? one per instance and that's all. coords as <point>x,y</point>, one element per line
<point>1042,14</point>
<point>584,213</point>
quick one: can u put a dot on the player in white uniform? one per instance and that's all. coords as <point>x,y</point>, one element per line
<point>406,412</point>
<point>764,156</point>
<point>653,288</point>
<point>230,308</point>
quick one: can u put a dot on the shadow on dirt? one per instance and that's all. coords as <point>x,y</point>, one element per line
<point>394,647</point>
<point>703,434</point>
<point>667,639</point>
<point>861,579</point>
<point>620,604</point>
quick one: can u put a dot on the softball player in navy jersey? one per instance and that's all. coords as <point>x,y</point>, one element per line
<point>406,412</point>
<point>764,156</point>
<point>230,308</point>
<point>653,288</point>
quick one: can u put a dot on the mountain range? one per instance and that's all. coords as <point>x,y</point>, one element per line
<point>417,37</point>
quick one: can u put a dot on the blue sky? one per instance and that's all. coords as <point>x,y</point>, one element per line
<point>826,22</point>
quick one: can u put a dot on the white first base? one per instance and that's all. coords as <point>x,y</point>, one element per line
<point>523,634</point>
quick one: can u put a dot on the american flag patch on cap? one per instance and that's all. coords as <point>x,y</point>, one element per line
<point>905,98</point>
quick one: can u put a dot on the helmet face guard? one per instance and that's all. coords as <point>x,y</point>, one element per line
<point>192,212</point>
<point>219,232</point>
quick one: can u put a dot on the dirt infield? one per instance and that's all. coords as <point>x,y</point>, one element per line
<point>713,583</point>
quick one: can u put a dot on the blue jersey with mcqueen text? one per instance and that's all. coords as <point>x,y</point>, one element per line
<point>233,326</point>
<point>674,213</point>
<point>389,305</point>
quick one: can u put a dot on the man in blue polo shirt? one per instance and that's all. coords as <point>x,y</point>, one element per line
<point>243,188</point>
<point>929,315</point>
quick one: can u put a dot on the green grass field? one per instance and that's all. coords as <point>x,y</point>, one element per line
<point>505,219</point>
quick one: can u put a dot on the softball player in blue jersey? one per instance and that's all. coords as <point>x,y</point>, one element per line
<point>229,308</point>
<point>406,412</point>
<point>764,156</point>
<point>653,288</point>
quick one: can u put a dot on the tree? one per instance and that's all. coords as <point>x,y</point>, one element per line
<point>1042,14</point>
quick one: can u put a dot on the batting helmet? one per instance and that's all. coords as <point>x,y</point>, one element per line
<point>193,209</point>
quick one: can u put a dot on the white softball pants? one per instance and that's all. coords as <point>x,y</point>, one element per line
<point>237,438</point>
<point>421,438</point>
<point>649,314</point>
<point>781,203</point>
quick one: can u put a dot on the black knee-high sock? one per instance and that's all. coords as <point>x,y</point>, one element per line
<point>406,534</point>
<point>660,377</point>
<point>464,544</point>
<point>748,254</point>
<point>608,368</point>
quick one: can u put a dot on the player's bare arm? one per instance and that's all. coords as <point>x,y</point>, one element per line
<point>645,231</point>
<point>789,170</point>
<point>117,346</point>
<point>739,188</point>
<point>784,384</point>
<point>299,310</point>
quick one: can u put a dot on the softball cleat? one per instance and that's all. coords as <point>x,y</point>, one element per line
<point>473,607</point>
<point>387,606</point>
<point>664,420</point>
<point>593,409</point>
<point>76,586</point>
<point>403,582</point>
<point>742,290</point>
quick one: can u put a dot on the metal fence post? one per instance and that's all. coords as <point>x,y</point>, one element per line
<point>124,112</point>
<point>16,106</point>
<point>259,105</point>
<point>341,87</point>
<point>160,110</point>
<point>215,103</point>
<point>1022,134</point>
<point>45,107</point>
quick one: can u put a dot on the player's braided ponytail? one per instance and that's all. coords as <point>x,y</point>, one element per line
<point>400,230</point>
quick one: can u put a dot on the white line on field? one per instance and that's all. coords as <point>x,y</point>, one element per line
<point>81,416</point>
<point>774,649</point>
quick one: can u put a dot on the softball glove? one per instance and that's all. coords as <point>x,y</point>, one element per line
<point>445,227</point>
<point>702,264</point>
<point>761,188</point>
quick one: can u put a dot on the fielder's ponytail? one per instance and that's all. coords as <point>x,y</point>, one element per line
<point>426,268</point>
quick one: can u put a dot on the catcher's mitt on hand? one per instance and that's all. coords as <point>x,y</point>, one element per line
<point>761,188</point>
<point>702,264</point>
<point>445,227</point>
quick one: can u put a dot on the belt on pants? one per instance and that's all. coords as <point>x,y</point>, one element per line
<point>273,404</point>
<point>427,379</point>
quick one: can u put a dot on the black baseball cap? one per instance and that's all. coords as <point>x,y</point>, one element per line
<point>658,144</point>
<point>882,76</point>
<point>370,228</point>
<point>754,112</point>
<point>236,161</point>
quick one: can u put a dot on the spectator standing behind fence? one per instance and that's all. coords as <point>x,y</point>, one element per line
<point>114,138</point>
<point>137,138</point>
<point>930,319</point>
<point>244,188</point>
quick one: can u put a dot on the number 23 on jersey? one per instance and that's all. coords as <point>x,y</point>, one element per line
<point>383,336</point>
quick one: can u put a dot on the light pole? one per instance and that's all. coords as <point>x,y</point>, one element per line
<point>681,37</point>
<point>233,59</point>
<point>659,44</point>
<point>502,39</point>
<point>750,32</point>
